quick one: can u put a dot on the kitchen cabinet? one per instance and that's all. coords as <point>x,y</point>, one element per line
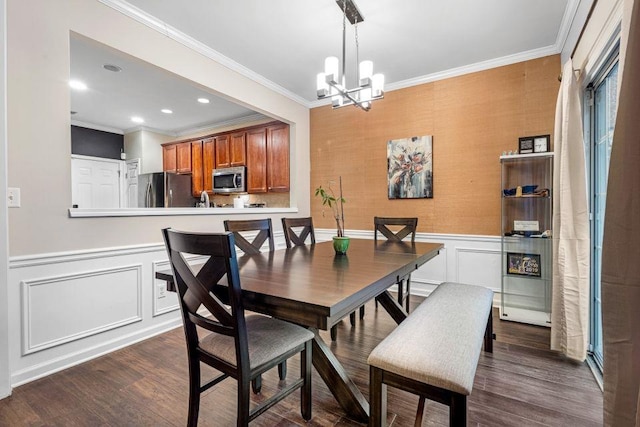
<point>183,157</point>
<point>208,162</point>
<point>526,242</point>
<point>169,158</point>
<point>177,157</point>
<point>268,159</point>
<point>231,150</point>
<point>257,160</point>
<point>197,183</point>
<point>278,158</point>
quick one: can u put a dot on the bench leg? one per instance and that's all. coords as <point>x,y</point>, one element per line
<point>488,334</point>
<point>458,410</point>
<point>377,398</point>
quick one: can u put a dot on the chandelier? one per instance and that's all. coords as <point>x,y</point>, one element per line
<point>332,84</point>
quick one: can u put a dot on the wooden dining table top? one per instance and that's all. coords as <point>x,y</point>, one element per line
<point>312,286</point>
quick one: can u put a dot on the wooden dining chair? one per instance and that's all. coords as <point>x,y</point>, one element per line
<point>299,238</point>
<point>241,347</point>
<point>262,226</point>
<point>408,227</point>
<point>265,232</point>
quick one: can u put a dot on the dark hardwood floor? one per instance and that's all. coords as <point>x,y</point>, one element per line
<point>522,383</point>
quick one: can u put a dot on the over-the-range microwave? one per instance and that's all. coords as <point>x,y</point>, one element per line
<point>229,180</point>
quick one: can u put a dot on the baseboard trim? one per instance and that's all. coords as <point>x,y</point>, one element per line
<point>52,366</point>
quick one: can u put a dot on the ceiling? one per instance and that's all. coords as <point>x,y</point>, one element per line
<point>283,43</point>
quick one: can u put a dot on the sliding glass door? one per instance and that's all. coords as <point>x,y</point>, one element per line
<point>604,96</point>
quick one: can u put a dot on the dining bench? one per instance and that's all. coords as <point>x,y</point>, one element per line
<point>434,352</point>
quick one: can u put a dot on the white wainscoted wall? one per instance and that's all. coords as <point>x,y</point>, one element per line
<point>66,308</point>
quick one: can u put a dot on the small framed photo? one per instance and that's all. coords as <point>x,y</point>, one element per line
<point>525,145</point>
<point>523,264</point>
<point>541,143</point>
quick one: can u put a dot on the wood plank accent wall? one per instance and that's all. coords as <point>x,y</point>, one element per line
<point>473,118</point>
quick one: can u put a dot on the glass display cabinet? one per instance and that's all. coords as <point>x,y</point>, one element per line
<point>527,247</point>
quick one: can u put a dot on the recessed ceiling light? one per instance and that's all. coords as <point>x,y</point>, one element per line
<point>166,111</point>
<point>136,119</point>
<point>111,67</point>
<point>77,85</point>
<point>203,100</point>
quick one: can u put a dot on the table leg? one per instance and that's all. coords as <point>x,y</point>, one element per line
<point>338,381</point>
<point>394,309</point>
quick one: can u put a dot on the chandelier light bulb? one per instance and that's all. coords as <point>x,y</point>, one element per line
<point>366,71</point>
<point>377,84</point>
<point>331,68</point>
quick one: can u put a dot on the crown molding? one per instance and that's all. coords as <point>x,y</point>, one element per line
<point>567,23</point>
<point>237,121</point>
<point>188,41</point>
<point>97,127</point>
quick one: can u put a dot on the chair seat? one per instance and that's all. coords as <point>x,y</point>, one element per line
<point>268,339</point>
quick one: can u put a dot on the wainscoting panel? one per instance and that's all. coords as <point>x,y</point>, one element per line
<point>163,300</point>
<point>60,309</point>
<point>66,308</point>
<point>479,267</point>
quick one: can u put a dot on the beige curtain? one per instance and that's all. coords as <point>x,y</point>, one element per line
<point>621,247</point>
<point>570,297</point>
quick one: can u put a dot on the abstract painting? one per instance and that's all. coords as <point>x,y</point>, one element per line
<point>410,168</point>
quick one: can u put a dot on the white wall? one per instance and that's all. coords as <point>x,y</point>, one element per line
<point>5,388</point>
<point>146,145</point>
<point>38,67</point>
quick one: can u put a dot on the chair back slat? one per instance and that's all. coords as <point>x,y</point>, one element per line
<point>298,239</point>
<point>409,228</point>
<point>196,290</point>
<point>265,233</point>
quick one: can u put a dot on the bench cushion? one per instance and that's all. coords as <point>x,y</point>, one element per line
<point>440,342</point>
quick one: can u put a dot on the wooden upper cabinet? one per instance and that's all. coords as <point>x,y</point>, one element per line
<point>257,161</point>
<point>231,150</point>
<point>222,152</point>
<point>169,158</point>
<point>183,157</point>
<point>197,184</point>
<point>208,162</point>
<point>238,149</point>
<point>278,158</point>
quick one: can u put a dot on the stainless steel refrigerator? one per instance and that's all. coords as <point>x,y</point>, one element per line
<point>164,190</point>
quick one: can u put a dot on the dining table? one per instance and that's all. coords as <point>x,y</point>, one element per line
<point>314,287</point>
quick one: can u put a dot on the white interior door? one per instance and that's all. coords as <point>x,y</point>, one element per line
<point>95,182</point>
<point>131,183</point>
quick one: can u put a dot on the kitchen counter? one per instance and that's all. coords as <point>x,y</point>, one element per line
<point>87,213</point>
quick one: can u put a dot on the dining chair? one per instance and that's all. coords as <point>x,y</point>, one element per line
<point>298,238</point>
<point>241,347</point>
<point>262,226</point>
<point>265,232</point>
<point>408,227</point>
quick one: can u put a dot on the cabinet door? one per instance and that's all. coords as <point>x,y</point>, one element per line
<point>257,161</point>
<point>222,152</point>
<point>183,157</point>
<point>169,158</point>
<point>278,158</point>
<point>238,149</point>
<point>208,162</point>
<point>196,168</point>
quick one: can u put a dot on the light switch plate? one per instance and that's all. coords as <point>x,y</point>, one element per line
<point>13,197</point>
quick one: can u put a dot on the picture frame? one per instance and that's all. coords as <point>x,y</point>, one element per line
<point>410,168</point>
<point>541,143</point>
<point>525,145</point>
<point>521,264</point>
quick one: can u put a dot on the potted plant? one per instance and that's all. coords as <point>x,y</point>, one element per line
<point>336,204</point>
